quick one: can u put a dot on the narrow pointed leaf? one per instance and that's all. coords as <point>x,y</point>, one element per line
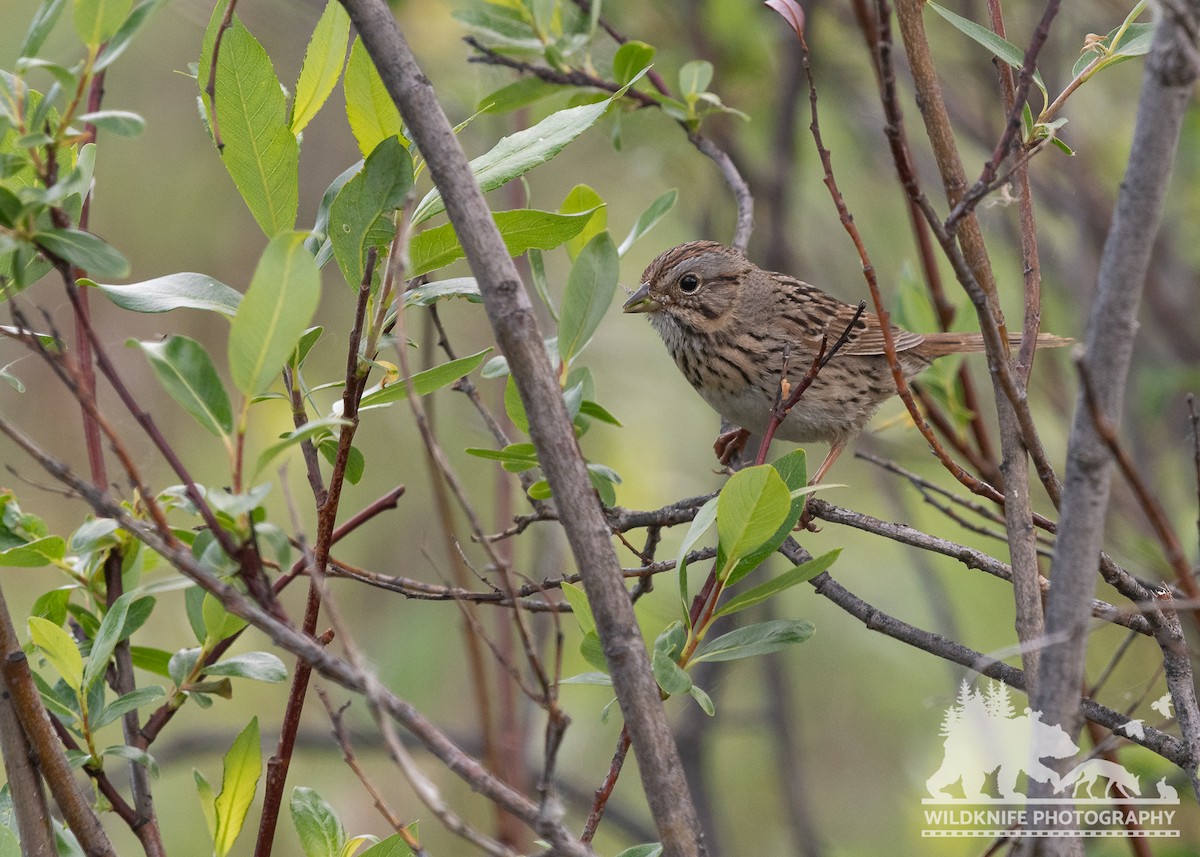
<point>184,290</point>
<point>323,61</point>
<point>106,639</point>
<point>188,375</point>
<point>588,295</point>
<point>121,39</point>
<point>84,250</point>
<point>754,640</point>
<point>274,313</point>
<point>426,382</point>
<point>794,576</point>
<point>259,666</point>
<point>260,153</point>
<point>580,608</point>
<point>123,704</point>
<point>648,219</point>
<point>243,765</point>
<point>372,115</point>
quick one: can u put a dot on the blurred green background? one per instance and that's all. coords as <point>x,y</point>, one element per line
<point>863,710</point>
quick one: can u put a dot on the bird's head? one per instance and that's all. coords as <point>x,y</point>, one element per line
<point>693,288</point>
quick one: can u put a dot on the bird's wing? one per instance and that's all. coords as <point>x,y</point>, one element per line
<point>866,339</point>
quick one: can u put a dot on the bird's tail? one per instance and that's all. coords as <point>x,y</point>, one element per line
<point>941,344</point>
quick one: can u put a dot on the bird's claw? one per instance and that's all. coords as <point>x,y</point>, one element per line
<point>729,444</point>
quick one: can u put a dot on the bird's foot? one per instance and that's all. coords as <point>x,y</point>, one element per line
<point>729,444</point>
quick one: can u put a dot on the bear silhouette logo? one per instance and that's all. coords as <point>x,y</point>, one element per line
<point>984,734</point>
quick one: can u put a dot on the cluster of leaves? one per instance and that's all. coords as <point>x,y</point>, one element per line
<point>1124,42</point>
<point>754,513</point>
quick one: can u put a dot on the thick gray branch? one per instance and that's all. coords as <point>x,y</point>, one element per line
<point>1167,87</point>
<point>511,314</point>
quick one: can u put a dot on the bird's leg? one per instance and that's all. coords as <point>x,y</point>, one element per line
<point>729,444</point>
<point>835,449</point>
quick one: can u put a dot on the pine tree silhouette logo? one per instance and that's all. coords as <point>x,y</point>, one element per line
<point>983,734</point>
<point>989,751</point>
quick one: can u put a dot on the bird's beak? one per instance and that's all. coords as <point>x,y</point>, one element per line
<point>640,301</point>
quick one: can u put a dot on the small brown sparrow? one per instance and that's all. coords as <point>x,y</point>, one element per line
<point>726,322</point>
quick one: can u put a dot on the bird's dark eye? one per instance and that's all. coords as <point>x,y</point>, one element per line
<point>689,283</point>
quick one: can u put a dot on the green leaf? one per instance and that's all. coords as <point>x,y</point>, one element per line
<point>307,431</point>
<point>323,60</point>
<point>133,754</point>
<point>121,39</point>
<point>694,78</point>
<point>243,765</point>
<point>523,230</point>
<point>123,704</point>
<point>648,219</point>
<point>754,640</point>
<point>219,623</point>
<point>274,313</point>
<point>151,660</point>
<point>385,180</point>
<point>259,666</point>
<point>518,153</point>
<point>320,830</point>
<point>428,294</point>
<point>123,123</point>
<point>670,676</point>
<point>426,382</point>
<point>84,250</point>
<point>513,406</point>
<point>703,700</point>
<point>800,574</point>
<point>188,375</point>
<point>792,468</point>
<point>39,28</point>
<point>588,295</point>
<point>593,651</point>
<point>260,153</point>
<point>750,508</point>
<point>1001,48</point>
<point>580,608</point>
<point>372,115</point>
<point>582,199</point>
<point>60,650</point>
<point>185,290</point>
<point>106,639</point>
<point>522,93</point>
<point>1135,41</point>
<point>96,21</point>
<point>207,801</point>
<point>393,846</point>
<point>540,490</point>
<point>631,58</point>
<point>34,554</point>
<point>516,457</point>
<point>705,516</point>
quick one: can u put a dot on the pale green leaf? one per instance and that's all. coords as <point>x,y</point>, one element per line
<point>260,152</point>
<point>188,375</point>
<point>631,58</point>
<point>106,639</point>
<point>580,608</point>
<point>426,382</point>
<point>648,219</point>
<point>60,650</point>
<point>243,765</point>
<point>750,508</point>
<point>123,704</point>
<point>129,28</point>
<point>274,313</point>
<point>588,295</point>
<point>792,577</point>
<point>754,640</point>
<point>522,230</point>
<point>427,294</point>
<point>372,115</point>
<point>584,199</point>
<point>323,60</point>
<point>259,666</point>
<point>307,431</point>
<point>1001,48</point>
<point>518,153</point>
<point>96,21</point>
<point>35,553</point>
<point>184,290</point>
<point>318,826</point>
